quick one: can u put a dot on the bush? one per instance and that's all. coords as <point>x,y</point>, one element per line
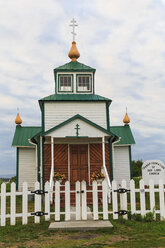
<point>137,168</point>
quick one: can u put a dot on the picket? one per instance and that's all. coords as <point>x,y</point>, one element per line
<point>152,197</point>
<point>78,203</point>
<point>67,200</point>
<point>3,204</point>
<point>80,192</point>
<point>161,199</point>
<point>132,196</point>
<point>25,204</point>
<point>142,199</point>
<point>123,198</point>
<point>37,205</point>
<point>47,201</point>
<point>95,200</point>
<point>105,200</point>
<point>84,200</point>
<point>13,204</point>
<point>57,201</point>
<point>114,200</point>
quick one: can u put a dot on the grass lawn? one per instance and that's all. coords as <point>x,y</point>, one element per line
<point>124,234</point>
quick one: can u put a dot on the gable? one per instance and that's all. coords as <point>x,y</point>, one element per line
<point>86,129</point>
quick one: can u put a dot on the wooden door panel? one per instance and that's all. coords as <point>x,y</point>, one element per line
<point>79,163</point>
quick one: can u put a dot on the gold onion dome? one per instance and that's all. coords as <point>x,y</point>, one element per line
<point>73,53</point>
<point>18,119</point>
<point>126,119</point>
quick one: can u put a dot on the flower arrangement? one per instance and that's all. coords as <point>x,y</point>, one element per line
<point>97,176</point>
<point>58,176</point>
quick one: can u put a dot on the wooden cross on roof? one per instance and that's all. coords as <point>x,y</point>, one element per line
<point>73,25</point>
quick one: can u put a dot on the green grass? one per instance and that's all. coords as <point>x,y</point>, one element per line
<point>124,234</point>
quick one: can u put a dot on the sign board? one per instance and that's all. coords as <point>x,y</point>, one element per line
<point>153,169</point>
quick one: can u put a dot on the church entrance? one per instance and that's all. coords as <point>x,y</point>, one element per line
<point>78,163</point>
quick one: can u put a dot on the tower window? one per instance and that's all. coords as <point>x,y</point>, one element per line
<point>65,83</point>
<point>84,83</point>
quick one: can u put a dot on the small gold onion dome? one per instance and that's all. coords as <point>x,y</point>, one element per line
<point>18,120</point>
<point>73,53</point>
<point>126,119</point>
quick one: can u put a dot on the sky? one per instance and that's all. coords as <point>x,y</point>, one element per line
<point>123,39</point>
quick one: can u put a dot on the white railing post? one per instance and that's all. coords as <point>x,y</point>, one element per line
<point>152,197</point>
<point>13,203</point>
<point>142,199</point>
<point>25,204</point>
<point>37,204</point>
<point>132,197</point>
<point>161,200</point>
<point>105,202</point>
<point>78,205</point>
<point>3,204</point>
<point>114,200</point>
<point>95,200</point>
<point>57,201</point>
<point>84,200</point>
<point>67,200</point>
<point>47,201</point>
<point>52,168</point>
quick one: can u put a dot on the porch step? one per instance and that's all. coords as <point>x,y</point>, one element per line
<point>81,225</point>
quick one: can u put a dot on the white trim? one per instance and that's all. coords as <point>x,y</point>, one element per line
<point>52,166</point>
<point>69,162</point>
<point>89,162</point>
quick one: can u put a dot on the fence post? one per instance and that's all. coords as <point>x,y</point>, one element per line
<point>84,201</point>
<point>25,203</point>
<point>57,201</point>
<point>78,206</point>
<point>12,203</point>
<point>132,196</point>
<point>47,201</point>
<point>3,204</point>
<point>105,199</point>
<point>37,205</point>
<point>67,200</point>
<point>114,200</point>
<point>123,198</point>
<point>142,199</point>
<point>95,201</point>
<point>161,199</point>
<point>152,197</point>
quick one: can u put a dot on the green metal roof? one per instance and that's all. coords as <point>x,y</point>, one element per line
<point>124,133</point>
<point>75,97</point>
<point>74,66</point>
<point>22,134</point>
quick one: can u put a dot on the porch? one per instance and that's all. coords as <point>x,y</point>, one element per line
<point>77,158</point>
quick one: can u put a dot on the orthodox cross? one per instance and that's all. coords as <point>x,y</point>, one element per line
<point>77,128</point>
<point>73,25</point>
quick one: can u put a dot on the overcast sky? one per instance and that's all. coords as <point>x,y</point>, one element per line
<point>123,39</point>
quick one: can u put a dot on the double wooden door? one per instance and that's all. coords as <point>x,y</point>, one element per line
<point>78,163</point>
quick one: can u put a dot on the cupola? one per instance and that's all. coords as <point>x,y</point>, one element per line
<point>126,119</point>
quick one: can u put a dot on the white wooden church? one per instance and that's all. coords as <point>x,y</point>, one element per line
<point>75,137</point>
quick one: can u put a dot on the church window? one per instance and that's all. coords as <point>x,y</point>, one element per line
<point>84,83</point>
<point>65,83</point>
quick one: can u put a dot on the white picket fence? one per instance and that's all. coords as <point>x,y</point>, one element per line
<point>8,200</point>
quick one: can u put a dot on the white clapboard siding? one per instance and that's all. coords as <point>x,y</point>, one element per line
<point>27,167</point>
<point>56,113</point>
<point>121,165</point>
